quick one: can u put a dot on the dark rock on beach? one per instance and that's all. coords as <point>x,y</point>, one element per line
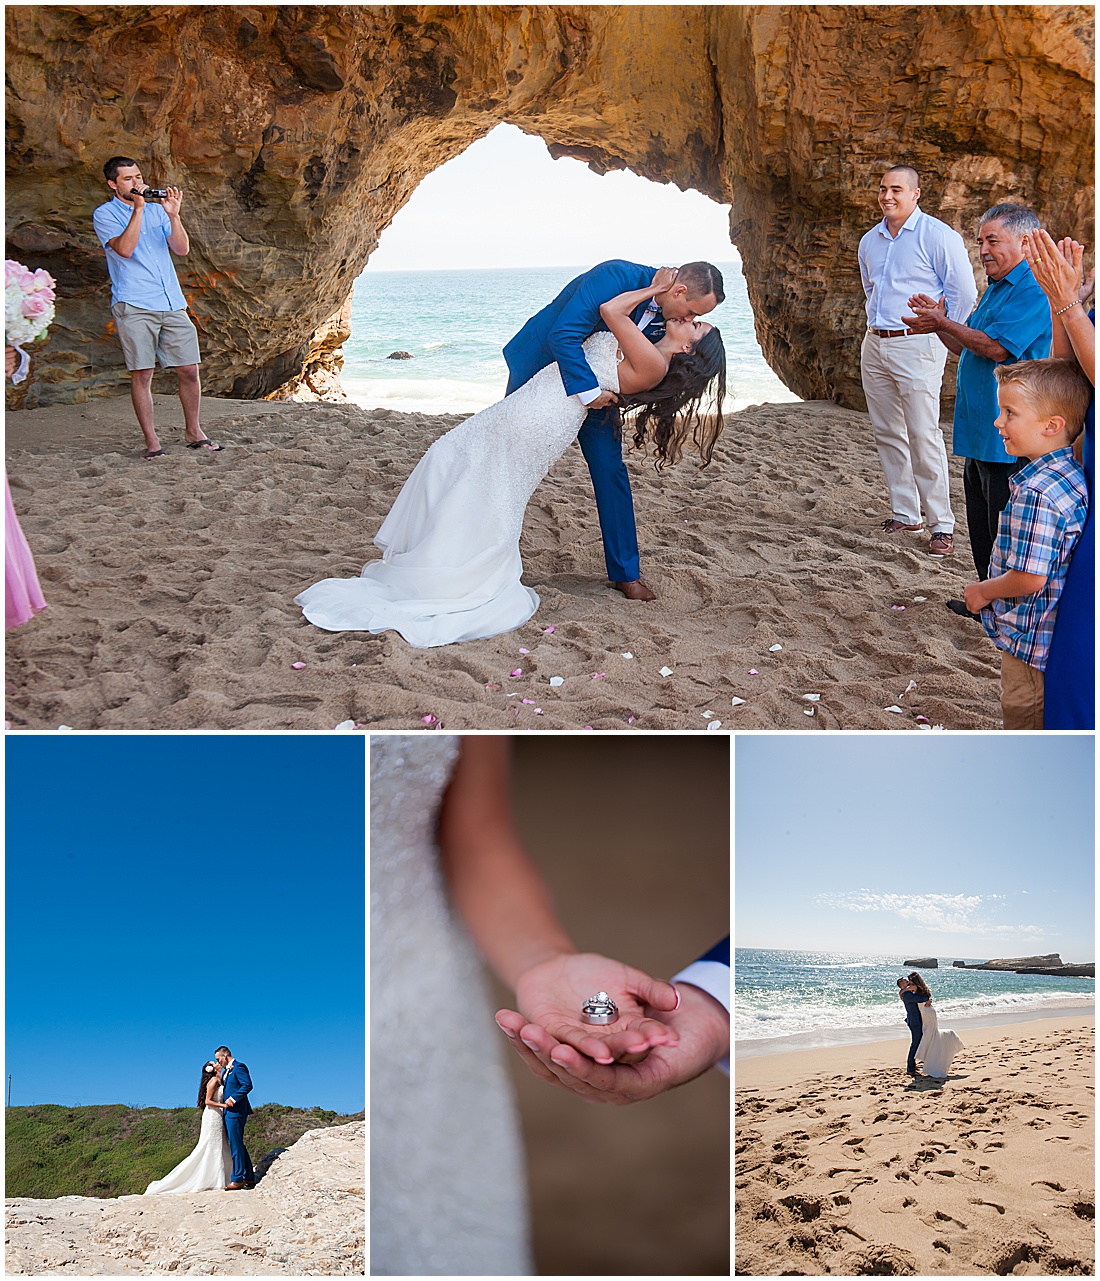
<point>400,355</point>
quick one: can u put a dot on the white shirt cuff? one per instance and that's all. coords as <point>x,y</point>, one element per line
<point>714,979</point>
<point>587,397</point>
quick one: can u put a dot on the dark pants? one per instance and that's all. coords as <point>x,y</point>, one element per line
<point>985,486</point>
<point>916,1031</point>
<point>242,1162</point>
<point>601,443</point>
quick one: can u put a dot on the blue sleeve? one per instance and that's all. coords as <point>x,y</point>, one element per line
<point>244,1085</point>
<point>580,317</point>
<point>104,224</point>
<point>952,265</point>
<point>720,952</point>
<point>1023,325</point>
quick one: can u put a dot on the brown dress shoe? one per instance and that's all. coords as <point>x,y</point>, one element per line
<point>898,526</point>
<point>235,1187</point>
<point>637,590</point>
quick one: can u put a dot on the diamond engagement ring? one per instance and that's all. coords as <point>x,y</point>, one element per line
<point>599,1009</point>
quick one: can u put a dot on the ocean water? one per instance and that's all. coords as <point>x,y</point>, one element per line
<point>796,1000</point>
<point>454,324</point>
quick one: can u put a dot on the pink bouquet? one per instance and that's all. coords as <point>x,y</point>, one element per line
<point>28,309</point>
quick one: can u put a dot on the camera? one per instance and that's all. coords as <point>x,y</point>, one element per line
<point>154,193</point>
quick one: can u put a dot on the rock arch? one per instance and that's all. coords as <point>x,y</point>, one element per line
<point>298,132</point>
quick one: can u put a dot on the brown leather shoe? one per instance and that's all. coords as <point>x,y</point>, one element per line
<point>235,1187</point>
<point>942,544</point>
<point>897,526</point>
<point>637,590</point>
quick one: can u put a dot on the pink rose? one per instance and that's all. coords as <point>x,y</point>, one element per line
<point>35,306</point>
<point>16,274</point>
<point>43,280</point>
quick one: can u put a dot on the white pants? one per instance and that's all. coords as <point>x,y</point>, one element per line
<point>901,380</point>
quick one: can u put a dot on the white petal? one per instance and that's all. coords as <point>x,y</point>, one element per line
<point>628,655</point>
<point>812,698</point>
<point>911,685</point>
<point>714,725</point>
<point>808,711</point>
<point>557,680</point>
<point>736,702</point>
<point>895,708</point>
<point>920,599</point>
<point>666,671</point>
<point>772,649</point>
<point>707,715</point>
<point>345,725</point>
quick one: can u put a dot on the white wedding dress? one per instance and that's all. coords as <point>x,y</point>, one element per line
<point>936,1049</point>
<point>448,1193</point>
<point>450,568</point>
<point>210,1166</point>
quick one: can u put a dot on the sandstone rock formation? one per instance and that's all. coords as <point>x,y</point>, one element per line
<point>1015,962</point>
<point>305,1218</point>
<point>1051,964</point>
<point>297,132</point>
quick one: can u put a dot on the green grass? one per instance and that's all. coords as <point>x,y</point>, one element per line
<point>114,1150</point>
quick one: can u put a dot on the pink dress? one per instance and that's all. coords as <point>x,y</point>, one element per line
<point>22,595</point>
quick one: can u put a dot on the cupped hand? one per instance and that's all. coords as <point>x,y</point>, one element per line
<point>603,401</point>
<point>550,995</point>
<point>974,595</point>
<point>701,1023</point>
<point>664,278</point>
<point>171,203</point>
<point>1058,268</point>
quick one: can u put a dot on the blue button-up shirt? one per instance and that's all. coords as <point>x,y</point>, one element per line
<point>1014,311</point>
<point>1047,505</point>
<point>147,278</point>
<point>925,257</point>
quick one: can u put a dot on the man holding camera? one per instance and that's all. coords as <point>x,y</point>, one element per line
<point>147,303</point>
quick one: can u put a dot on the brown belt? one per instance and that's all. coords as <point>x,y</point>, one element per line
<point>891,333</point>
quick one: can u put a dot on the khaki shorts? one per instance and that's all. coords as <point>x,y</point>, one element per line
<point>149,336</point>
<point>1021,693</point>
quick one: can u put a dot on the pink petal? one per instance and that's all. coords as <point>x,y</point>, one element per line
<point>596,675</point>
<point>631,719</point>
<point>588,727</point>
<point>897,606</point>
<point>297,666</point>
<point>525,651</point>
<point>529,701</point>
<point>753,671</point>
<point>427,720</point>
<point>549,630</point>
<point>492,686</point>
<point>517,672</point>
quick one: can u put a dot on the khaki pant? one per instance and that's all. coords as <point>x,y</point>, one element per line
<point>1021,693</point>
<point>901,380</point>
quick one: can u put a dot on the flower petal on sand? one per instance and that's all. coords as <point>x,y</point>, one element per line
<point>427,720</point>
<point>911,686</point>
<point>525,651</point>
<point>628,654</point>
<point>895,708</point>
<point>736,702</point>
<point>753,671</point>
<point>812,698</point>
<point>492,686</point>
<point>715,725</point>
<point>897,606</point>
<point>345,725</point>
<point>774,649</point>
<point>920,599</point>
<point>808,711</point>
<point>549,631</point>
<point>708,715</point>
<point>517,672</point>
<point>297,666</point>
<point>666,671</point>
<point>529,701</point>
<point>596,675</point>
<point>557,680</point>
<point>631,719</point>
<point>924,719</point>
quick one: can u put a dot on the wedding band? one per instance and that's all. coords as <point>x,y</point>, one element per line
<point>599,1009</point>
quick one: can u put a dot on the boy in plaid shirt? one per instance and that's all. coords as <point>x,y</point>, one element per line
<point>1042,412</point>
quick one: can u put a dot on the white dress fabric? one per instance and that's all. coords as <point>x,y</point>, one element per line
<point>937,1048</point>
<point>448,1192</point>
<point>210,1166</point>
<point>450,568</point>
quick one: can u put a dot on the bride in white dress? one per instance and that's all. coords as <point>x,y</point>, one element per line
<point>937,1048</point>
<point>210,1166</point>
<point>450,568</point>
<point>448,1192</point>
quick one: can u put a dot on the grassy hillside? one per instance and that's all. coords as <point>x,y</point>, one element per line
<point>114,1150</point>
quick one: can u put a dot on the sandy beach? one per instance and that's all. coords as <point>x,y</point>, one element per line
<point>845,1166</point>
<point>171,585</point>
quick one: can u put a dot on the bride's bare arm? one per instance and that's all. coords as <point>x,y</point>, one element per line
<point>643,366</point>
<point>507,908</point>
<point>211,1089</point>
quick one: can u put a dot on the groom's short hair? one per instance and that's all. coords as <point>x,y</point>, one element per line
<point>702,278</point>
<point>224,1049</point>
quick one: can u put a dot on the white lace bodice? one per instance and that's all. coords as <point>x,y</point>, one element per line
<point>448,1191</point>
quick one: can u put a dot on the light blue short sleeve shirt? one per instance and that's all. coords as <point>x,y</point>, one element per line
<point>148,278</point>
<point>1014,311</point>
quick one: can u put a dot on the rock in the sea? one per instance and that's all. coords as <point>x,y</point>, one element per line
<point>1015,963</point>
<point>305,1218</point>
<point>400,355</point>
<point>298,131</point>
<point>1062,971</point>
<point>926,963</point>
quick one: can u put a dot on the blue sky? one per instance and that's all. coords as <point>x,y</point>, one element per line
<point>505,203</point>
<point>168,893</point>
<point>970,845</point>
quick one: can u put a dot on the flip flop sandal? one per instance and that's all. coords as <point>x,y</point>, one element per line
<point>153,453</point>
<point>204,444</point>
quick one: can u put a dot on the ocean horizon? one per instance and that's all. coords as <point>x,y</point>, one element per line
<point>453,324</point>
<point>793,1000</point>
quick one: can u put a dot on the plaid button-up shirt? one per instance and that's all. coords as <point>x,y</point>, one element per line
<point>1038,531</point>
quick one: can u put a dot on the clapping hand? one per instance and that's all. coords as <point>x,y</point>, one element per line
<point>700,1023</point>
<point>928,314</point>
<point>551,994</point>
<point>1058,268</point>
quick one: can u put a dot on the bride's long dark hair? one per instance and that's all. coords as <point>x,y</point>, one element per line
<point>208,1070</point>
<point>920,985</point>
<point>672,411</point>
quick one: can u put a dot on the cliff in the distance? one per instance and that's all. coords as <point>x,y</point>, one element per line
<point>297,132</point>
<point>305,1218</point>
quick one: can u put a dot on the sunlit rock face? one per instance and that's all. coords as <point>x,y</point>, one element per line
<point>297,133</point>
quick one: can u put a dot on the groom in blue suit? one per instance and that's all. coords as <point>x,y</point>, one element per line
<point>556,334</point>
<point>236,1085</point>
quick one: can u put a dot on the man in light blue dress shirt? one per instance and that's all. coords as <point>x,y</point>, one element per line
<point>147,303</point>
<point>902,369</point>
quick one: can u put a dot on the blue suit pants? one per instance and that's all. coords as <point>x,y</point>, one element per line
<point>242,1162</point>
<point>917,1032</point>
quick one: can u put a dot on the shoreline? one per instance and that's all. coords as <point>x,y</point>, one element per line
<point>846,1166</point>
<point>823,1039</point>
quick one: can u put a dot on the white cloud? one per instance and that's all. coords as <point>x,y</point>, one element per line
<point>944,913</point>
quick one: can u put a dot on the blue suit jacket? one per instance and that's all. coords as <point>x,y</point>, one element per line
<point>235,1085</point>
<point>913,1001</point>
<point>557,331</point>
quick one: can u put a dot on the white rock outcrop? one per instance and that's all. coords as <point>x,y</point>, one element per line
<point>306,1217</point>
